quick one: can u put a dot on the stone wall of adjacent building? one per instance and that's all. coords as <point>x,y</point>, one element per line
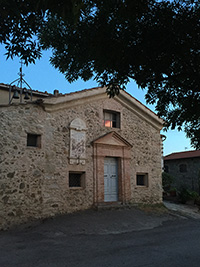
<point>34,181</point>
<point>188,175</point>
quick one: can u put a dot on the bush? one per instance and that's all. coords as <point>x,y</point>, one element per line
<point>184,195</point>
<point>194,195</point>
<point>167,181</point>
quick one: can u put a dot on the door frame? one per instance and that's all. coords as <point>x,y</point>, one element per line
<point>111,145</point>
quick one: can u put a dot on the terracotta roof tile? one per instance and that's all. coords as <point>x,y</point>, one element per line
<point>6,87</point>
<point>81,91</point>
<point>183,155</point>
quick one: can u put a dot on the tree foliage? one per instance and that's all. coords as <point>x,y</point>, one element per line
<point>156,43</point>
<point>21,22</point>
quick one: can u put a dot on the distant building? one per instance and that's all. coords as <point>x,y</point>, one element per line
<point>185,167</point>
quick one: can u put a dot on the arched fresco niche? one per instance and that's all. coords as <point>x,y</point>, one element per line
<point>77,142</point>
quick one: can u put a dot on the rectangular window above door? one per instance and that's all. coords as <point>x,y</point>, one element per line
<point>111,119</point>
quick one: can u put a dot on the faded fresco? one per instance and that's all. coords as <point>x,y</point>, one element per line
<point>77,142</point>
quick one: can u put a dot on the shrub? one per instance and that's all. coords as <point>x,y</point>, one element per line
<point>194,195</point>
<point>184,195</point>
<point>167,181</point>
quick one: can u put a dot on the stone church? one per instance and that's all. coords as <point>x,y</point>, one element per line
<point>64,153</point>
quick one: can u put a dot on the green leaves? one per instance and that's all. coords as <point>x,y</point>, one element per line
<point>156,43</point>
<point>22,21</point>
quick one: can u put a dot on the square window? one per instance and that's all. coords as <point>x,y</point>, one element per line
<point>34,140</point>
<point>111,119</point>
<point>76,179</point>
<point>142,179</point>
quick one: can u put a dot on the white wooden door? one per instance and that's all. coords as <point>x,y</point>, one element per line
<point>110,179</point>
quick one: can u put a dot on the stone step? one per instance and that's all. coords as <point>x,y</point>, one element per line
<point>111,205</point>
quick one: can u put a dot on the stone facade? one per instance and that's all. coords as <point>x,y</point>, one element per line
<point>185,171</point>
<point>35,179</point>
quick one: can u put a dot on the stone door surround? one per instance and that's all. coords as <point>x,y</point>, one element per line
<point>112,145</point>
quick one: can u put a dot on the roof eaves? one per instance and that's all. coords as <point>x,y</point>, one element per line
<point>183,155</point>
<point>142,109</point>
<point>34,92</point>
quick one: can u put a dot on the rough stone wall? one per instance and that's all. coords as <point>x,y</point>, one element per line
<point>34,182</point>
<point>189,178</point>
<point>146,157</point>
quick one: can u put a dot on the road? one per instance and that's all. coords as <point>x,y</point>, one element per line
<point>105,239</point>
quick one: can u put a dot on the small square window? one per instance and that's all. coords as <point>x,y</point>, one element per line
<point>142,179</point>
<point>34,140</point>
<point>111,119</point>
<point>76,179</point>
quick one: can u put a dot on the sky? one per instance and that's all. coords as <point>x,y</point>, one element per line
<point>42,76</point>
